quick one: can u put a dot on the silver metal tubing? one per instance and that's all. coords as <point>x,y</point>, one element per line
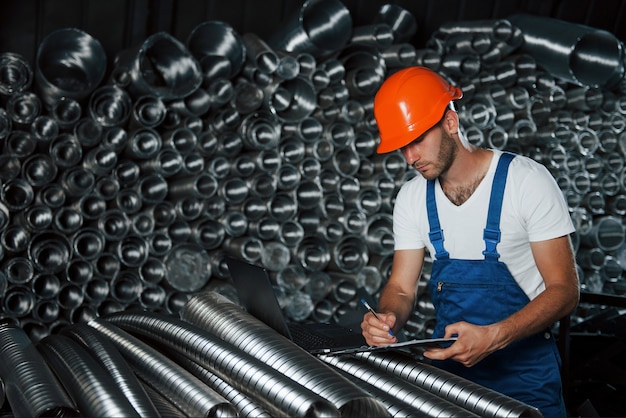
<point>17,74</point>
<point>23,108</point>
<point>110,105</point>
<point>87,381</point>
<point>35,218</point>
<point>219,316</point>
<point>15,239</point>
<point>378,381</point>
<point>69,63</point>
<point>178,72</point>
<point>18,270</point>
<point>49,251</point>
<point>114,363</point>
<point>378,35</point>
<point>132,250</point>
<point>219,49</point>
<point>263,57</point>
<point>31,387</point>
<point>244,404</point>
<point>223,359</point>
<point>576,53</point>
<point>313,254</point>
<point>308,29</point>
<point>466,394</point>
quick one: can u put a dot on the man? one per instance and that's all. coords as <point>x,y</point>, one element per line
<point>498,282</point>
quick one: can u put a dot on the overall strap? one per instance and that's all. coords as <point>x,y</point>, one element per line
<point>435,234</point>
<point>492,232</point>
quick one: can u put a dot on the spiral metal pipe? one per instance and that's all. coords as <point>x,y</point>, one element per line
<point>459,391</point>
<point>215,314</point>
<point>31,387</point>
<point>243,371</point>
<point>110,358</point>
<point>425,402</point>
<point>184,390</point>
<point>87,382</point>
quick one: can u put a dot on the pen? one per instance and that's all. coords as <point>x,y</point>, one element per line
<point>369,308</point>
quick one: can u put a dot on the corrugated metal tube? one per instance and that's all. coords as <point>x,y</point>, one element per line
<point>427,403</point>
<point>231,323</point>
<point>186,391</point>
<point>113,361</point>
<point>87,382</point>
<point>244,404</point>
<point>32,389</point>
<point>277,393</point>
<point>465,393</point>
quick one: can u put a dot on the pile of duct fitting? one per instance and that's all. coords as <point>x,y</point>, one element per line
<point>217,360</point>
<point>125,190</point>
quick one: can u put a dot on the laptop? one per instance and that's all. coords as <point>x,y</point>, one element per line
<point>257,297</point>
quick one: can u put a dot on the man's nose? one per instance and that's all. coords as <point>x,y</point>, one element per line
<point>410,153</point>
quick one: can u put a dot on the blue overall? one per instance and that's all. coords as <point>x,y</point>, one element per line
<point>483,292</point>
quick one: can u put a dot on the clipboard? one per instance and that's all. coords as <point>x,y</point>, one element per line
<point>427,342</point>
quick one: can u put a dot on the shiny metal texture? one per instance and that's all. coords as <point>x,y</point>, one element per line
<point>70,63</point>
<point>30,385</point>
<point>464,393</point>
<point>213,313</point>
<point>240,369</point>
<point>129,193</point>
<point>111,359</point>
<point>183,389</point>
<point>378,381</point>
<point>309,31</point>
<point>87,382</point>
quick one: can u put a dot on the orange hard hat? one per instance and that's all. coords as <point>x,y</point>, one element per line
<point>408,103</point>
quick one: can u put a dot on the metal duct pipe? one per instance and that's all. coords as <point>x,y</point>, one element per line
<point>215,314</point>
<point>184,390</point>
<point>87,382</point>
<point>238,368</point>
<point>111,359</point>
<point>65,56</point>
<point>243,403</point>
<point>576,53</point>
<point>464,393</point>
<point>308,31</point>
<point>424,402</point>
<point>30,386</point>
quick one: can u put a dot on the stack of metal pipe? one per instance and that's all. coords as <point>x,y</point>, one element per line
<point>127,189</point>
<point>216,361</point>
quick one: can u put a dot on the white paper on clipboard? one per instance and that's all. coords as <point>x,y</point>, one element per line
<point>428,342</point>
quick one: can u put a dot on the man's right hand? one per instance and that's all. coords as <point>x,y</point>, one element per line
<point>376,330</point>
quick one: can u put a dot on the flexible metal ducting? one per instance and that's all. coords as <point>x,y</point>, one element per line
<point>281,395</point>
<point>230,322</point>
<point>103,350</point>
<point>31,387</point>
<point>183,389</point>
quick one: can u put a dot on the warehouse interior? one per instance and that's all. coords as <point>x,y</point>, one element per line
<point>275,163</point>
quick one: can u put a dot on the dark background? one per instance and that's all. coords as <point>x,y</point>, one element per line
<point>120,24</point>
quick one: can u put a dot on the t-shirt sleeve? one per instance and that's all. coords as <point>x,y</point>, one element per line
<point>541,202</point>
<point>406,213</point>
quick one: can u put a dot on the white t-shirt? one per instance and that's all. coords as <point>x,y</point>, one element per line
<point>533,210</point>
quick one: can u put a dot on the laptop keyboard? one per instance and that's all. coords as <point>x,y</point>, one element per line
<point>303,336</point>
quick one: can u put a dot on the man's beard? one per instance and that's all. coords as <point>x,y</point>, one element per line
<point>445,158</point>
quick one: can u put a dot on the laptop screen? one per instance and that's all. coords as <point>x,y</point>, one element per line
<point>256,293</point>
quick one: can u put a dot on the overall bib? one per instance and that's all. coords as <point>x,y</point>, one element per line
<point>483,292</point>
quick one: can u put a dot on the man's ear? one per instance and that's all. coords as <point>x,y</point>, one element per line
<point>451,122</point>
